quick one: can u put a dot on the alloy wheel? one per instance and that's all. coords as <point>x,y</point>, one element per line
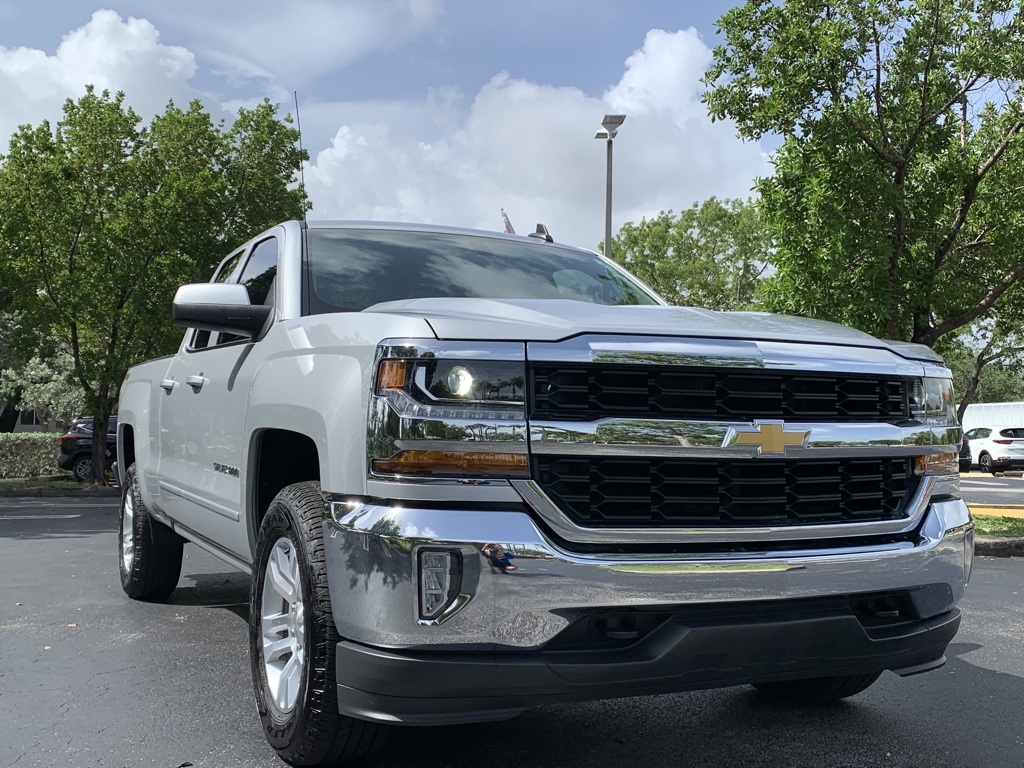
<point>128,531</point>
<point>283,625</point>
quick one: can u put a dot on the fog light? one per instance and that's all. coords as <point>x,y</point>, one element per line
<point>440,580</point>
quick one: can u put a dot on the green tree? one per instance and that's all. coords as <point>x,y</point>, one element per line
<point>896,203</point>
<point>45,385</point>
<point>987,363</point>
<point>17,341</point>
<point>105,217</point>
<point>711,255</point>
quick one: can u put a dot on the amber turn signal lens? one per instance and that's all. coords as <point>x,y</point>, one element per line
<point>391,375</point>
<point>453,464</point>
<point>936,464</point>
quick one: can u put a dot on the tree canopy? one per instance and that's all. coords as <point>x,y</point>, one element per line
<point>711,255</point>
<point>896,203</point>
<point>104,217</point>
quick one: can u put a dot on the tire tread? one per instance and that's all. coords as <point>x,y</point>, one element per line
<point>156,566</point>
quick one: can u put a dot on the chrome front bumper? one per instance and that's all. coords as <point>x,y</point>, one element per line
<point>372,555</point>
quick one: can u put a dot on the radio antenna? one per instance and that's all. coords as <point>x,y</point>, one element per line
<point>302,160</point>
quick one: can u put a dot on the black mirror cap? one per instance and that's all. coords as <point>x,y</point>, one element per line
<point>240,320</point>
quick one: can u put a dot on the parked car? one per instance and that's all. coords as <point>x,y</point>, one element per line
<point>996,449</point>
<point>76,447</point>
<point>965,455</point>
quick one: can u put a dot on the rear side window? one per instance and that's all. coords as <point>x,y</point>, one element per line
<point>984,432</point>
<point>260,271</point>
<point>1014,432</point>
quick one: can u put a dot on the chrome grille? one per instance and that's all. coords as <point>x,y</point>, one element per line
<point>585,392</point>
<point>613,491</point>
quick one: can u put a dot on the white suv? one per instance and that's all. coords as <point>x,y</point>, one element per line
<point>996,449</point>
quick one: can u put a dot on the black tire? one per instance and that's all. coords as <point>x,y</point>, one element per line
<point>985,464</point>
<point>81,468</point>
<point>818,690</point>
<point>150,563</point>
<point>311,731</point>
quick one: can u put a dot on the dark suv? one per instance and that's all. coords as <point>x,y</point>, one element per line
<point>76,447</point>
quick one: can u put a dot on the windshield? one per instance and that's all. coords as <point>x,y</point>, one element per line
<point>350,270</point>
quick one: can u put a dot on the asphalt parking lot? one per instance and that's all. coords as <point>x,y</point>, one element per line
<point>90,678</point>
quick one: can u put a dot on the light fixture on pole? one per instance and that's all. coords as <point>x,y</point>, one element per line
<point>609,130</point>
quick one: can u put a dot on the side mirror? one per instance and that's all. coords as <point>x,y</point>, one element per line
<point>218,307</point>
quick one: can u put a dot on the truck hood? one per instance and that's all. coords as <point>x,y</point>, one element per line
<point>554,320</point>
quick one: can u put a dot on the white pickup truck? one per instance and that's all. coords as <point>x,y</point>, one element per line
<point>471,473</point>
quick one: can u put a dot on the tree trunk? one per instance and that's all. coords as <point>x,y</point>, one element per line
<point>972,385</point>
<point>99,436</point>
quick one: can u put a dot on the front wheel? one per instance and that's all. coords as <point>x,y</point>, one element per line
<point>818,690</point>
<point>292,638</point>
<point>151,553</point>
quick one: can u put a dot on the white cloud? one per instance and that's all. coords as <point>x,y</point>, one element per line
<point>108,52</point>
<point>528,148</point>
<point>298,41</point>
<point>663,76</point>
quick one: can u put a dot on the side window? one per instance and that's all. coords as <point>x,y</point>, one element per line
<point>224,273</point>
<point>984,432</point>
<point>201,339</point>
<point>260,271</point>
<point>971,434</point>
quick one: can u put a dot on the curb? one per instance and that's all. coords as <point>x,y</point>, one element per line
<point>999,546</point>
<point>51,493</point>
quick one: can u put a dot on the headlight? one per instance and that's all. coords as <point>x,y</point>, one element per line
<point>448,410</point>
<point>447,387</point>
<point>931,401</point>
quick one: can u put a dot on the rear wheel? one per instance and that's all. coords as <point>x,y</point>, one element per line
<point>150,561</point>
<point>985,463</point>
<point>818,690</point>
<point>81,469</point>
<point>292,638</point>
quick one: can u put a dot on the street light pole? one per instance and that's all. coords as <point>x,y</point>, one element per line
<point>609,130</point>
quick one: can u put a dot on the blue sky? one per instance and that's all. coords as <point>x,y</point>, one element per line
<point>421,110</point>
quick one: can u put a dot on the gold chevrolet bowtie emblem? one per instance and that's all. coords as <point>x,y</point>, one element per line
<point>771,438</point>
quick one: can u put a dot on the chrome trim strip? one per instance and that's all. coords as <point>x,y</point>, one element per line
<point>711,439</point>
<point>565,528</point>
<point>715,353</point>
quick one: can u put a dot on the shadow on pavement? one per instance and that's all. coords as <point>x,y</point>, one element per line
<point>229,590</point>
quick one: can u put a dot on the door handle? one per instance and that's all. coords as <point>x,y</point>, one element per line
<point>196,382</point>
<point>169,385</point>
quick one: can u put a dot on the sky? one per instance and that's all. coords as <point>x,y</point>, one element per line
<point>436,111</point>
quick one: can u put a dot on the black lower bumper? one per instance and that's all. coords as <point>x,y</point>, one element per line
<point>421,688</point>
<point>1001,465</point>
